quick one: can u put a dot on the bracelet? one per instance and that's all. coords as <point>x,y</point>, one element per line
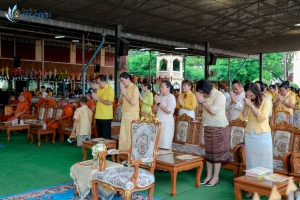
<point>202,102</point>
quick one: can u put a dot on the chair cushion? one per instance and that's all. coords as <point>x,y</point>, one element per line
<point>115,123</point>
<point>236,136</point>
<point>181,131</point>
<point>115,137</point>
<point>41,113</point>
<point>120,177</point>
<point>189,148</point>
<point>34,121</point>
<point>280,117</point>
<point>296,118</point>
<point>278,165</point>
<point>50,112</point>
<point>232,157</point>
<point>68,128</point>
<point>281,143</point>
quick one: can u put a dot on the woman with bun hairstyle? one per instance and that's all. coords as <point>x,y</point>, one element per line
<point>164,108</point>
<point>129,100</point>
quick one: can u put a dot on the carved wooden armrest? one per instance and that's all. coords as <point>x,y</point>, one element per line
<point>28,116</point>
<point>295,162</point>
<point>102,156</point>
<point>286,161</point>
<point>136,163</point>
<point>236,153</point>
<point>116,151</point>
<point>242,155</point>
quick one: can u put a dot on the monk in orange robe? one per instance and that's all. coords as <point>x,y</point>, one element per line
<point>90,102</point>
<point>22,108</point>
<point>13,103</point>
<point>27,95</point>
<point>67,113</point>
<point>50,101</point>
<point>41,101</point>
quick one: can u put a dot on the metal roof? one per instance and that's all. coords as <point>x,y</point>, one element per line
<point>239,26</point>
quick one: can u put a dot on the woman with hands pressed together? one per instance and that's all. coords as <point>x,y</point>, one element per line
<point>258,140</point>
<point>129,99</point>
<point>212,104</point>
<point>164,108</point>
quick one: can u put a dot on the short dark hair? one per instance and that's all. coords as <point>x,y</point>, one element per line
<point>125,75</point>
<point>262,86</point>
<point>204,85</point>
<point>147,84</point>
<point>287,83</point>
<point>102,78</point>
<point>238,82</point>
<point>221,86</point>
<point>255,90</point>
<point>43,87</point>
<point>83,100</point>
<point>169,85</point>
<point>283,85</point>
<point>188,82</point>
<point>273,86</point>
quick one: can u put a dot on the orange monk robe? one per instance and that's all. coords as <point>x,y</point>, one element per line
<point>41,101</point>
<point>91,104</point>
<point>4,117</point>
<point>14,102</point>
<point>51,102</point>
<point>27,95</point>
<point>23,106</point>
<point>67,112</point>
<point>78,104</point>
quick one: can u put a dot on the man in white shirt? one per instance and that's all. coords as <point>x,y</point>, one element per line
<point>237,99</point>
<point>44,94</point>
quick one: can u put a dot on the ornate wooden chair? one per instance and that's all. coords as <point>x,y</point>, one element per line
<point>116,122</point>
<point>144,139</point>
<point>187,135</point>
<point>35,120</point>
<point>279,116</point>
<point>65,128</point>
<point>236,136</point>
<point>295,158</point>
<point>283,138</point>
<point>296,118</point>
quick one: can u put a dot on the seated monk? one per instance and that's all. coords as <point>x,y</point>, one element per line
<point>27,95</point>
<point>13,102</point>
<point>22,108</point>
<point>67,113</point>
<point>41,101</point>
<point>50,101</point>
<point>90,102</point>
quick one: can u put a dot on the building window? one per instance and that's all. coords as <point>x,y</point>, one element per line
<point>163,65</point>
<point>88,53</point>
<point>176,65</point>
<point>57,52</point>
<point>25,47</point>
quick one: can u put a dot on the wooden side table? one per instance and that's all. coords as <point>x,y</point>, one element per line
<point>252,184</point>
<point>8,127</point>
<point>39,132</point>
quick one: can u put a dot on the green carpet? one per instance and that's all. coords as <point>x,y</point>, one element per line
<point>26,167</point>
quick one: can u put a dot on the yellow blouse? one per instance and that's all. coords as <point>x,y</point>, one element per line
<point>133,93</point>
<point>289,99</point>
<point>260,123</point>
<point>189,101</point>
<point>147,102</point>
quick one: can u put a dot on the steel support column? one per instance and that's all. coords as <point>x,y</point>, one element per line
<point>117,59</point>
<point>261,66</point>
<point>229,82</point>
<point>206,60</point>
<point>83,59</point>
<point>15,48</point>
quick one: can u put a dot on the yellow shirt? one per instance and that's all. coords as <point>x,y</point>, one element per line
<point>189,101</point>
<point>274,95</point>
<point>217,102</point>
<point>104,111</point>
<point>133,93</point>
<point>84,115</point>
<point>269,93</point>
<point>289,99</point>
<point>260,123</point>
<point>293,93</point>
<point>147,102</point>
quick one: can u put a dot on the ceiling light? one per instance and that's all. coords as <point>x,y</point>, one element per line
<point>75,41</point>
<point>145,49</point>
<point>59,36</point>
<point>181,48</point>
<point>298,24</point>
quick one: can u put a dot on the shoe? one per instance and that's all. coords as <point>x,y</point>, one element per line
<point>212,185</point>
<point>205,182</point>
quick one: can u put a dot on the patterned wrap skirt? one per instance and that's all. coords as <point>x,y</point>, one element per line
<point>259,150</point>
<point>217,144</point>
<point>125,129</point>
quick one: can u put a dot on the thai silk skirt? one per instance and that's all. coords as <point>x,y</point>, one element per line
<point>217,144</point>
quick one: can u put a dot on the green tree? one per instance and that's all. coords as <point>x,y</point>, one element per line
<point>139,62</point>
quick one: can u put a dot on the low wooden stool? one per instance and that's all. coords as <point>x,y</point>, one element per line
<point>39,132</point>
<point>261,186</point>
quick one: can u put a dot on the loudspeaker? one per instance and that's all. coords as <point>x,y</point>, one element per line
<point>17,62</point>
<point>124,47</point>
<point>212,59</point>
<point>97,68</point>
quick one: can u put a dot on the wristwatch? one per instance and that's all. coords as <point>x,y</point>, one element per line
<point>158,104</point>
<point>252,106</point>
<point>202,102</point>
